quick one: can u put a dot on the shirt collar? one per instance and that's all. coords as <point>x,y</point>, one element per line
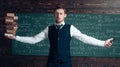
<point>63,23</point>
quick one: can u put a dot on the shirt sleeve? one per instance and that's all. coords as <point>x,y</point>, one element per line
<point>84,38</point>
<point>33,39</point>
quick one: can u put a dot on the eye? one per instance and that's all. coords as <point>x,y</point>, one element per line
<point>60,13</point>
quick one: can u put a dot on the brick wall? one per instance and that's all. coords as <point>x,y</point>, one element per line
<point>46,6</point>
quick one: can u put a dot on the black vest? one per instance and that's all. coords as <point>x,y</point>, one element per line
<point>59,44</point>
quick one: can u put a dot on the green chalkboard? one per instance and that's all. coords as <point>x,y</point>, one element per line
<point>100,26</point>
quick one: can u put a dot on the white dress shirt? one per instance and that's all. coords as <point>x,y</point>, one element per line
<point>74,32</point>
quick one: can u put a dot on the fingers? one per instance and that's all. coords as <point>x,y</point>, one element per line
<point>10,36</point>
<point>111,40</point>
<point>108,45</point>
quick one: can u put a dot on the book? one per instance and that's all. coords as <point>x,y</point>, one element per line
<point>11,24</point>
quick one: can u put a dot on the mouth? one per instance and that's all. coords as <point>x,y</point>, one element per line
<point>58,19</point>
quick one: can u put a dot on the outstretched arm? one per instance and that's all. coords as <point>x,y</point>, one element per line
<point>88,39</point>
<point>31,40</point>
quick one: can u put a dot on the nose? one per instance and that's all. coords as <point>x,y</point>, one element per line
<point>58,15</point>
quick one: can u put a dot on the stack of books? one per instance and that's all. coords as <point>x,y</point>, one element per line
<point>11,24</point>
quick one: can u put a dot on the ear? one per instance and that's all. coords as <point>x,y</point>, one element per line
<point>65,15</point>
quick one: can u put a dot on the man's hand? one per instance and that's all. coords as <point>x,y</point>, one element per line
<point>10,37</point>
<point>109,42</point>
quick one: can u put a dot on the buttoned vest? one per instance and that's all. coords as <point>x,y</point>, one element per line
<point>59,44</point>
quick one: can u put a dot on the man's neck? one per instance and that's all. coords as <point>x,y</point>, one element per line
<point>60,23</point>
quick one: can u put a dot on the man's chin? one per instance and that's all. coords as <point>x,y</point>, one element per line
<point>59,21</point>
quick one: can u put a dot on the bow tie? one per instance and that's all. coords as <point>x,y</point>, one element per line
<point>59,26</point>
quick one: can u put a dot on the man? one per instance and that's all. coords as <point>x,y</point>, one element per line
<point>59,35</point>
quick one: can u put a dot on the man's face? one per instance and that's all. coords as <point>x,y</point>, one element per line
<point>60,15</point>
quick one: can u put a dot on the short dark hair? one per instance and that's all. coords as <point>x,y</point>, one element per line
<point>60,6</point>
